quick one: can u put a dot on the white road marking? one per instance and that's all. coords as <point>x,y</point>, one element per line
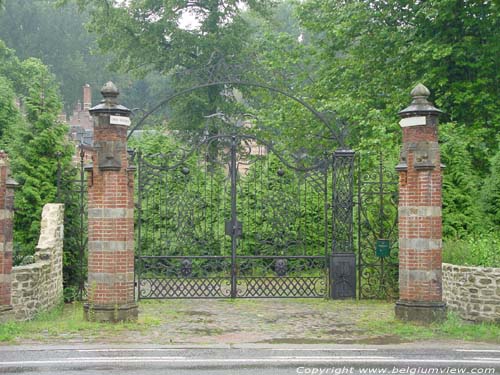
<point>225,359</point>
<point>324,350</point>
<point>478,350</point>
<point>328,357</point>
<point>124,350</point>
<point>487,359</point>
<point>294,360</point>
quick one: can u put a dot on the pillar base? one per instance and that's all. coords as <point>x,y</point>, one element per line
<point>420,311</point>
<point>110,313</point>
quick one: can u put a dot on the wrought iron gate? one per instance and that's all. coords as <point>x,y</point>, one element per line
<point>232,217</point>
<point>377,231</point>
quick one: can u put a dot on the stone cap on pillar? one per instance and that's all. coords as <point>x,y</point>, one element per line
<point>420,106</point>
<point>109,103</point>
<point>11,183</point>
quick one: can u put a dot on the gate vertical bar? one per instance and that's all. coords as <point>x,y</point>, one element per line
<point>343,258</point>
<point>233,174</point>
<point>381,215</point>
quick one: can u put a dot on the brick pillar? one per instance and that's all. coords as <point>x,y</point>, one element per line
<point>110,287</point>
<point>7,186</point>
<point>420,202</point>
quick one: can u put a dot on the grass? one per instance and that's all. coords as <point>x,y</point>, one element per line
<point>453,328</point>
<point>373,319</point>
<point>66,321</point>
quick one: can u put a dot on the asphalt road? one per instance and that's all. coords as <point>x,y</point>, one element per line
<point>419,358</point>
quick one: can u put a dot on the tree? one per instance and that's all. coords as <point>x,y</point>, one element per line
<point>150,36</point>
<point>32,137</point>
<point>461,184</point>
<point>57,36</point>
<point>9,115</point>
<point>33,150</point>
<point>374,52</point>
<point>491,192</point>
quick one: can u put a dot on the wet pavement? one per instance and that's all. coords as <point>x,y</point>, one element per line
<point>263,321</point>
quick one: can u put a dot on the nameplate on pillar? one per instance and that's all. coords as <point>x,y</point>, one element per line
<point>412,121</point>
<point>119,120</point>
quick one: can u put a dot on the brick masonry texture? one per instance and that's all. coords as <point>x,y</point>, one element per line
<point>38,287</point>
<point>111,225</point>
<point>110,219</point>
<point>472,292</point>
<point>420,228</point>
<point>6,217</point>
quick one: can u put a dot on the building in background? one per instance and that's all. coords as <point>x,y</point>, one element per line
<point>80,122</point>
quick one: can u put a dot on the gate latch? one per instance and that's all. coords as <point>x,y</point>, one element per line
<point>234,229</point>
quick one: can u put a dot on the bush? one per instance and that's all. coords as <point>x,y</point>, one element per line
<point>476,250</point>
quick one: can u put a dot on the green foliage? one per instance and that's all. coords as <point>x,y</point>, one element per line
<point>150,37</point>
<point>33,151</point>
<point>282,213</point>
<point>490,192</point>
<point>70,294</point>
<point>32,137</point>
<point>178,208</point>
<point>9,115</point>
<point>72,193</point>
<point>57,36</point>
<point>461,183</point>
<point>370,54</point>
<point>481,249</point>
<point>147,36</point>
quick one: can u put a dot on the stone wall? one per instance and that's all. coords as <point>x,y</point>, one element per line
<point>38,287</point>
<point>472,292</point>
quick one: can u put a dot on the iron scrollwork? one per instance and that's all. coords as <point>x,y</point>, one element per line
<point>377,214</point>
<point>194,202</point>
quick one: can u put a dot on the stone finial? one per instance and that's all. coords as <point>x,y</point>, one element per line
<point>109,103</point>
<point>420,91</point>
<point>110,93</point>
<point>420,105</point>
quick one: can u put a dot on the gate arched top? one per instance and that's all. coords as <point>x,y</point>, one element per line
<point>337,135</point>
<point>318,164</point>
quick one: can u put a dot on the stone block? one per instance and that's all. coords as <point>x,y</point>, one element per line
<point>23,276</point>
<point>38,287</point>
<point>423,312</point>
<point>108,313</point>
<point>484,281</point>
<point>472,292</point>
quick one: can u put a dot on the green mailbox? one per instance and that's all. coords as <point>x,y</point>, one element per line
<point>382,248</point>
